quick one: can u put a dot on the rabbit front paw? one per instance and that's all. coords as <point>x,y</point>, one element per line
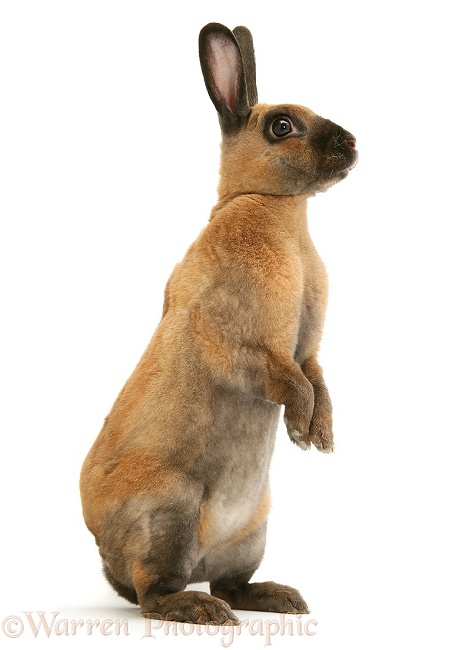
<point>297,417</point>
<point>295,436</point>
<point>321,435</point>
<point>321,426</point>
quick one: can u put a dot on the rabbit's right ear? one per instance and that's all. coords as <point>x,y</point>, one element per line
<point>246,46</point>
<point>223,71</point>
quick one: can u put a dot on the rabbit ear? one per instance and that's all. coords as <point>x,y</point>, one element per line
<point>245,42</point>
<point>223,71</point>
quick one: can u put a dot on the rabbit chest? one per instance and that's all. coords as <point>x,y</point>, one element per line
<point>253,282</point>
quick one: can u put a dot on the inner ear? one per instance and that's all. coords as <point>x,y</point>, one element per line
<point>226,70</point>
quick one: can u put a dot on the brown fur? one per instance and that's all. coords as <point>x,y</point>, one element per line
<point>175,488</point>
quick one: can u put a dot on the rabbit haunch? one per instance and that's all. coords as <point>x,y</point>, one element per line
<point>175,488</point>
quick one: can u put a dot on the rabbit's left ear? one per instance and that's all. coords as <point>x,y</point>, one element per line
<point>223,71</point>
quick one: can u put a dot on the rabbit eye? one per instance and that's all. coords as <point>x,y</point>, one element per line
<point>281,126</point>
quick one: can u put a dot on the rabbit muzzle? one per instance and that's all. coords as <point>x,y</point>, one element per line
<point>339,151</point>
<point>336,154</point>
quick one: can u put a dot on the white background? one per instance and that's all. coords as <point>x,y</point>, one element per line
<point>109,161</point>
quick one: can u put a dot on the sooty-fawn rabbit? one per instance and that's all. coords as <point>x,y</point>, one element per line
<point>175,488</point>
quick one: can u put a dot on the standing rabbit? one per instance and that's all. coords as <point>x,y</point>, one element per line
<point>175,488</point>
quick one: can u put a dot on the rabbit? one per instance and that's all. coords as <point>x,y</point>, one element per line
<point>175,487</point>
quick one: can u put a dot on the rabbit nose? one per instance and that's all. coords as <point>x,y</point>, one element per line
<point>351,142</point>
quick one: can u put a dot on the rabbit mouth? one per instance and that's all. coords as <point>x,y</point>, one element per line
<point>339,174</point>
<point>354,162</point>
<point>336,174</point>
<point>341,164</point>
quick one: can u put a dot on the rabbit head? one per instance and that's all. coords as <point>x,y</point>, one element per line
<point>267,149</point>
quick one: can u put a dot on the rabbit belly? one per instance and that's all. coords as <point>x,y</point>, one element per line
<point>236,499</point>
<point>236,464</point>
